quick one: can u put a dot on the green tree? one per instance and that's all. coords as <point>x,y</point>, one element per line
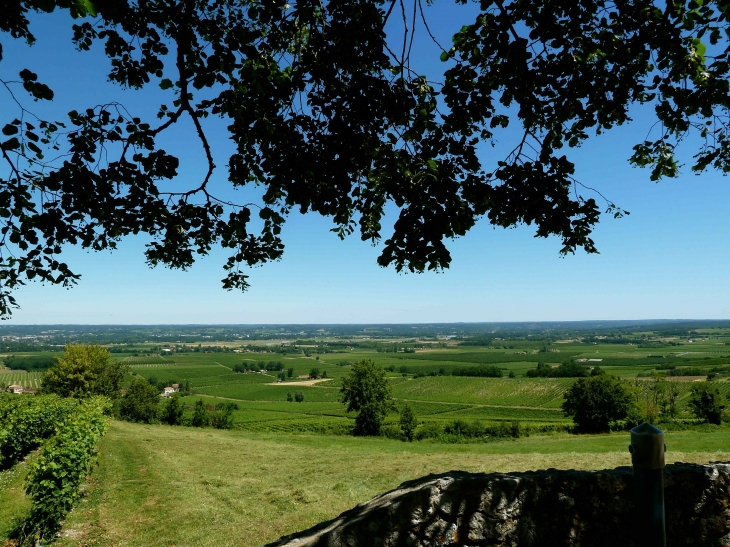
<point>84,370</point>
<point>314,373</point>
<point>707,403</point>
<point>372,133</point>
<point>139,403</point>
<point>222,416</point>
<point>299,397</point>
<point>672,394</point>
<point>366,391</point>
<point>289,397</point>
<point>596,401</point>
<point>290,372</point>
<point>408,421</point>
<point>172,413</point>
<point>200,414</point>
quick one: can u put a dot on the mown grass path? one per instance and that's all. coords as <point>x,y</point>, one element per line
<point>161,486</point>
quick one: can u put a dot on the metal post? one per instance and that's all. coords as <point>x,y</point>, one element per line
<point>647,456</point>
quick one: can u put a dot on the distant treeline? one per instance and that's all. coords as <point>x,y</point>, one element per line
<point>29,363</point>
<point>564,370</point>
<point>258,365</point>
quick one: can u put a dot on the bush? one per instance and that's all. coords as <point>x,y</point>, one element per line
<point>140,402</point>
<point>707,403</point>
<point>25,422</point>
<point>289,397</point>
<point>55,476</point>
<point>222,416</point>
<point>172,414</point>
<point>408,422</point>
<point>460,431</point>
<point>595,402</point>
<point>200,415</point>
<point>299,397</point>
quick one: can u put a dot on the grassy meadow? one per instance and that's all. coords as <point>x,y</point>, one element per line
<point>161,485</point>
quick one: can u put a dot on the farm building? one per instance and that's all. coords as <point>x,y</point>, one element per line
<point>15,389</point>
<point>166,392</point>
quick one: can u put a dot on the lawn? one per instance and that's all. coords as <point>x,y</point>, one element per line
<point>161,486</point>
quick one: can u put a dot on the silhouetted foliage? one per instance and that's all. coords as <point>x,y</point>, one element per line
<point>328,117</point>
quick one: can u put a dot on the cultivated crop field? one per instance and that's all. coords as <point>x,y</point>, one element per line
<point>22,378</point>
<point>423,379</point>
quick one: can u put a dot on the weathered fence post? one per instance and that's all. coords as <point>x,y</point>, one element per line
<point>647,456</point>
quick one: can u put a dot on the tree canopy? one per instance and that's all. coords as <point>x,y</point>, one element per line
<point>327,114</point>
<point>84,370</point>
<point>595,402</point>
<point>366,390</point>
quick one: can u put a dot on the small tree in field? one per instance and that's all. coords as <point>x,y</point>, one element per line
<point>707,403</point>
<point>289,397</point>
<point>289,372</point>
<point>299,396</point>
<point>366,390</point>
<point>172,414</point>
<point>408,421</point>
<point>84,370</point>
<point>140,402</point>
<point>200,414</point>
<point>596,401</point>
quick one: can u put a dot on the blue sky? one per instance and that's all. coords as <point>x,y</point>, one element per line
<point>668,259</point>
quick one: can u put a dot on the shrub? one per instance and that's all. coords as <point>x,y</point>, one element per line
<point>222,416</point>
<point>408,422</point>
<point>200,415</point>
<point>140,402</point>
<point>25,422</point>
<point>55,476</point>
<point>299,397</point>
<point>172,414</point>
<point>289,397</point>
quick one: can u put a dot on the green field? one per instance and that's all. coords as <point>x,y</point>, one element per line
<point>422,379</point>
<point>160,486</point>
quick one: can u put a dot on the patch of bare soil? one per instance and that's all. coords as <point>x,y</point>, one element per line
<point>300,383</point>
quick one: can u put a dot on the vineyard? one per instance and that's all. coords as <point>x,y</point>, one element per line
<point>66,430</point>
<point>25,379</point>
<point>150,361</point>
<point>533,393</point>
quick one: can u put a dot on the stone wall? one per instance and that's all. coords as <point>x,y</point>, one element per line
<point>542,508</point>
